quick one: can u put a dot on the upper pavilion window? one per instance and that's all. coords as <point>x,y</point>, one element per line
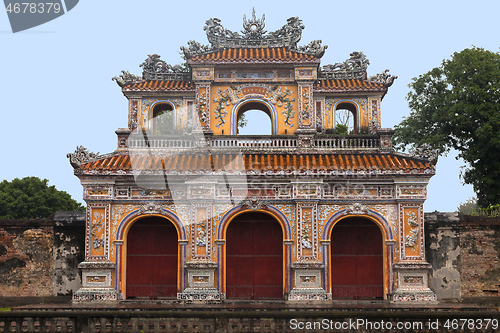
<point>257,117</point>
<point>345,119</point>
<point>163,119</point>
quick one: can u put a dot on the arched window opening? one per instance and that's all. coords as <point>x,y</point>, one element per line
<point>345,119</point>
<point>163,119</point>
<point>254,119</point>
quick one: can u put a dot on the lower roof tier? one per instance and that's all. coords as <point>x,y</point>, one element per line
<point>192,163</point>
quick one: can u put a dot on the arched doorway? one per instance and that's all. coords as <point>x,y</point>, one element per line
<point>152,250</point>
<point>357,259</point>
<point>254,257</point>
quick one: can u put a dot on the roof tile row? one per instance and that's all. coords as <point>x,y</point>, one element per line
<point>348,84</point>
<point>257,162</point>
<point>160,85</point>
<point>254,54</point>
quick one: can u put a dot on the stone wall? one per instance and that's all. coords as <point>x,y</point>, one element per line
<point>68,251</point>
<point>464,253</point>
<point>40,257</point>
<point>442,240</point>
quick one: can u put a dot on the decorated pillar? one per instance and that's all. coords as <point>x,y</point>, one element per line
<point>97,269</point>
<point>305,77</point>
<point>307,270</point>
<point>412,270</point>
<point>200,268</point>
<point>203,78</point>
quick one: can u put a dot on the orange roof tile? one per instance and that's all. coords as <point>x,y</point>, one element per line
<point>348,85</point>
<point>259,162</point>
<point>159,86</point>
<point>265,54</point>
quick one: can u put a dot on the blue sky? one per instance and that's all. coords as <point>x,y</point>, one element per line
<point>57,93</point>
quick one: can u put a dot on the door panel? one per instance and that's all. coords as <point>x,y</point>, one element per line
<point>152,259</point>
<point>356,259</point>
<point>254,257</point>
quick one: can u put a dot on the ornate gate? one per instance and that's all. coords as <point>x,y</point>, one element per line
<point>152,259</point>
<point>254,257</point>
<point>356,259</point>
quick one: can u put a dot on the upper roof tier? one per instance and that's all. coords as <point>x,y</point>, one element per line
<point>253,35</point>
<point>252,46</point>
<point>262,54</point>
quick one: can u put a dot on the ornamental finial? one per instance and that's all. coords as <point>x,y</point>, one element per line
<point>253,28</point>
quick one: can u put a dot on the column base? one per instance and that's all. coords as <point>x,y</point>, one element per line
<point>412,282</point>
<point>94,295</point>
<point>199,294</point>
<point>96,282</point>
<point>308,294</point>
<point>413,296</point>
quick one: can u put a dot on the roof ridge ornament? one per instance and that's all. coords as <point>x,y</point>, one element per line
<point>353,68</point>
<point>254,28</point>
<point>81,156</point>
<point>385,78</point>
<point>153,68</point>
<point>254,36</point>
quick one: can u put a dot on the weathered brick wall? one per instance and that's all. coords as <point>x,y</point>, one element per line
<point>480,252</point>
<point>41,257</point>
<point>26,258</point>
<point>442,239</point>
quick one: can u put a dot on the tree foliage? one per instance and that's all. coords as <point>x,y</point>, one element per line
<point>457,105</point>
<point>31,197</point>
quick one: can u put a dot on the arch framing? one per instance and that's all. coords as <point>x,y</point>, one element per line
<point>156,103</point>
<point>387,247</point>
<point>221,240</point>
<point>269,105</point>
<point>357,115</point>
<point>120,280</point>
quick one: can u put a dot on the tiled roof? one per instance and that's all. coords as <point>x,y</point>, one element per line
<point>259,162</point>
<point>347,85</point>
<point>265,54</point>
<point>160,86</point>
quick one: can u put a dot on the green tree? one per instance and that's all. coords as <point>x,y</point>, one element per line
<point>242,122</point>
<point>341,129</point>
<point>457,105</point>
<point>468,207</point>
<point>31,197</point>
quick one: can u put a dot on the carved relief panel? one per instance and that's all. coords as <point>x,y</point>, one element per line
<point>411,231</point>
<point>307,118</point>
<point>307,232</point>
<point>203,105</point>
<point>201,232</point>
<point>97,235</point>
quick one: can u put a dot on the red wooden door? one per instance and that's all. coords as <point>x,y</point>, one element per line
<point>254,257</point>
<point>356,259</point>
<point>152,259</point>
